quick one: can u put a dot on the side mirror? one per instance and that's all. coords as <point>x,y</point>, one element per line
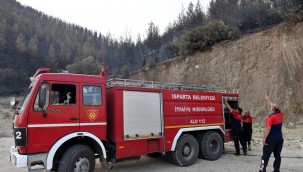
<point>42,96</point>
<point>14,102</point>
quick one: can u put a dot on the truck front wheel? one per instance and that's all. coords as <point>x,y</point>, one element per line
<point>169,158</point>
<point>186,152</point>
<point>78,158</point>
<point>211,146</point>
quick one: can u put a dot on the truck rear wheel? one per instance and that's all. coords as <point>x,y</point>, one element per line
<point>199,138</point>
<point>211,146</point>
<point>78,158</point>
<point>186,152</point>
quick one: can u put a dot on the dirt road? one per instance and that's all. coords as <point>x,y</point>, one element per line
<point>291,161</point>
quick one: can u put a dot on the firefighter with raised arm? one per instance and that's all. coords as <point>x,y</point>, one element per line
<point>237,128</point>
<point>247,129</point>
<point>272,138</point>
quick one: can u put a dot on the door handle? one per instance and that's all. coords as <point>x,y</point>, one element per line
<point>74,119</point>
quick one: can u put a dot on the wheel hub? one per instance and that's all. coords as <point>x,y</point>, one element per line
<point>214,145</point>
<point>186,150</point>
<point>82,165</point>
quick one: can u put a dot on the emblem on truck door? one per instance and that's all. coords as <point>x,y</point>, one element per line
<point>92,114</point>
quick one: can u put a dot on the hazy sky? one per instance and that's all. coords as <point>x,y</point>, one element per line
<point>119,17</point>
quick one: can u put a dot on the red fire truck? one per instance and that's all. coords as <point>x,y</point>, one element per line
<point>66,121</point>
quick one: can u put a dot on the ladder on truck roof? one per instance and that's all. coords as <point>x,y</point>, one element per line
<point>153,84</point>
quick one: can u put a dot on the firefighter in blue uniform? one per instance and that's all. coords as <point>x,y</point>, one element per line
<point>272,139</point>
<point>237,128</point>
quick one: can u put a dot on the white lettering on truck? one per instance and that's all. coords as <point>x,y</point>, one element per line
<point>200,97</point>
<point>182,109</point>
<point>203,109</point>
<point>197,121</point>
<point>193,97</point>
<point>181,96</point>
<point>194,109</point>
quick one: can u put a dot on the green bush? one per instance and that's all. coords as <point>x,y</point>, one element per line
<point>202,38</point>
<point>89,65</point>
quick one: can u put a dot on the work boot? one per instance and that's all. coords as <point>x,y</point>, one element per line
<point>249,147</point>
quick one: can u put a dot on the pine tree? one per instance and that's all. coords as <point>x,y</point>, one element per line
<point>51,60</point>
<point>33,52</point>
<point>20,44</point>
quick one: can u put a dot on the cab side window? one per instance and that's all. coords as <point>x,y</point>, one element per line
<point>63,94</point>
<point>92,96</point>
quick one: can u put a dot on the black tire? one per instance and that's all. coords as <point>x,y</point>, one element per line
<point>76,157</point>
<point>199,138</point>
<point>55,166</point>
<point>154,154</point>
<point>186,152</point>
<point>168,156</point>
<point>211,146</point>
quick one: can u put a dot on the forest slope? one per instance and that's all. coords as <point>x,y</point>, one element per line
<point>270,62</point>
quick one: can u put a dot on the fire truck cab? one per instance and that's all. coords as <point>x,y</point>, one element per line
<point>68,120</point>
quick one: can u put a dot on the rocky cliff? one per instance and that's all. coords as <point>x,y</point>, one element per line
<point>269,62</point>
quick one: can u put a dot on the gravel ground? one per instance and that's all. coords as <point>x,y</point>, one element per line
<point>292,154</point>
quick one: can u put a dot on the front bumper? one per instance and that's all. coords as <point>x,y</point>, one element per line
<point>17,159</point>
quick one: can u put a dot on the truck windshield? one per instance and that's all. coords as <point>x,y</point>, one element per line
<point>26,98</point>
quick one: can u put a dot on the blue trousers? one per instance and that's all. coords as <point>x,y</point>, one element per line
<point>238,137</point>
<point>272,146</point>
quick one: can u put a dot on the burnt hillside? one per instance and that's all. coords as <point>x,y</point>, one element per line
<point>270,62</point>
<point>30,39</point>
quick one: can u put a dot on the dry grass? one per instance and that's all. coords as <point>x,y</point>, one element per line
<point>6,115</point>
<point>5,103</point>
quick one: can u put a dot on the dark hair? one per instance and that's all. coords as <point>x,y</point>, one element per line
<point>240,110</point>
<point>276,109</point>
